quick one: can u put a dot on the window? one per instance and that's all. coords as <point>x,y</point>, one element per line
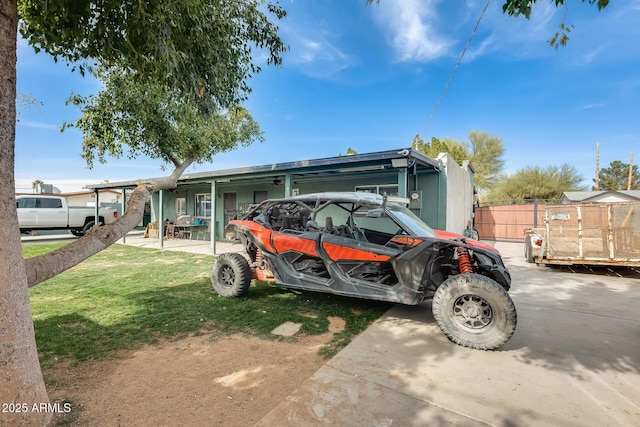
<point>50,203</point>
<point>27,203</point>
<point>203,205</point>
<point>181,206</point>
<point>385,189</point>
<point>260,196</point>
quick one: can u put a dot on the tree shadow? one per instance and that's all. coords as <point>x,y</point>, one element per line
<point>173,312</point>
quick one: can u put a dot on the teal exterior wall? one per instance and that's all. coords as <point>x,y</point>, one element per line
<point>442,190</point>
<point>431,185</point>
<point>433,189</point>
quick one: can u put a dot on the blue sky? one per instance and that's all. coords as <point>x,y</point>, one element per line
<point>369,78</point>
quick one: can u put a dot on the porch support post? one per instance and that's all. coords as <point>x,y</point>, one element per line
<point>160,216</point>
<point>212,237</point>
<point>402,182</point>
<point>287,184</point>
<point>96,217</point>
<point>124,209</point>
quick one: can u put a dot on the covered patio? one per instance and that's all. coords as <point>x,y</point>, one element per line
<point>136,238</point>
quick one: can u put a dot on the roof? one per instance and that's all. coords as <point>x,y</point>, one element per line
<point>337,164</point>
<point>84,193</point>
<point>589,196</point>
<point>339,196</point>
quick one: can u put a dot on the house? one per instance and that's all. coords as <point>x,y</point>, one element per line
<point>437,190</point>
<point>88,198</point>
<point>600,196</point>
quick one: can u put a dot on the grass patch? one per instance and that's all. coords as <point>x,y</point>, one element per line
<point>125,297</point>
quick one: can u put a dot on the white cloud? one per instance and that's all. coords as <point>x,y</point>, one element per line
<point>412,28</point>
<point>315,54</point>
<point>39,125</point>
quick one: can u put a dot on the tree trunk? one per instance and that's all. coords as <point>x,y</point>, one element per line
<point>22,387</point>
<point>21,383</point>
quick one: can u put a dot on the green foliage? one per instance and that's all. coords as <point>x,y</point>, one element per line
<point>155,120</point>
<point>484,152</point>
<point>616,177</point>
<point>150,295</point>
<point>561,37</point>
<point>174,73</point>
<point>486,158</point>
<point>535,182</point>
<point>457,150</point>
<point>523,7</point>
<point>196,47</point>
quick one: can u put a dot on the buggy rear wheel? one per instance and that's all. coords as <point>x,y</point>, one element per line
<point>474,311</point>
<point>230,275</point>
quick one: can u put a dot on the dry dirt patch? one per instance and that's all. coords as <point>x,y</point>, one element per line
<point>231,381</point>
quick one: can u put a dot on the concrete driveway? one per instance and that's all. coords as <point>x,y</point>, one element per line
<point>574,360</point>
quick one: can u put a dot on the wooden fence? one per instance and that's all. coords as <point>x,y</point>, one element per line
<point>507,222</point>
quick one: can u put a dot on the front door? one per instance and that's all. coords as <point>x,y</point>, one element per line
<point>230,207</point>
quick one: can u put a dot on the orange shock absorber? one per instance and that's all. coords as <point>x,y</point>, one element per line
<point>259,258</point>
<point>464,262</point>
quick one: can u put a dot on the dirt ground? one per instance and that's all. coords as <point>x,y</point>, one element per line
<point>232,381</point>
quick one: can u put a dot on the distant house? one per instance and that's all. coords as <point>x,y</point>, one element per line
<point>88,198</point>
<point>600,196</point>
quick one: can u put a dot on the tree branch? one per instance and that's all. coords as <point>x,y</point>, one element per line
<point>46,266</point>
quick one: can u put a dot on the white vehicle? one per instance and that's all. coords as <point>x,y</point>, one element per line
<point>37,212</point>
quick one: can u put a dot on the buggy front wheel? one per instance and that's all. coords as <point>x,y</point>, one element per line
<point>474,311</point>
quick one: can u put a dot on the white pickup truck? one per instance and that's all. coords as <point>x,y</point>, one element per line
<point>38,212</point>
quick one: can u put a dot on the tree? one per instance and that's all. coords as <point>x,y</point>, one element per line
<point>486,158</point>
<point>484,152</point>
<point>36,185</point>
<point>561,37</point>
<point>535,182</point>
<point>616,177</point>
<point>523,7</point>
<point>350,152</point>
<point>200,52</point>
<point>25,100</point>
<point>155,120</point>
<point>457,150</point>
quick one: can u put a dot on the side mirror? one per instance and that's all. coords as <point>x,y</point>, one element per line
<point>375,213</point>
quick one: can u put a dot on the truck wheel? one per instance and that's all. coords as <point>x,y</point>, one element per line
<point>528,250</point>
<point>230,275</point>
<point>88,226</point>
<point>474,311</point>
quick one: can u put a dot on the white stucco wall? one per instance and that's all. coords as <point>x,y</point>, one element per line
<point>608,197</point>
<point>459,194</point>
<point>89,198</point>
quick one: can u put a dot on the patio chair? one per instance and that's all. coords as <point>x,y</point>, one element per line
<point>152,230</point>
<point>171,231</point>
<point>204,233</point>
<point>181,222</point>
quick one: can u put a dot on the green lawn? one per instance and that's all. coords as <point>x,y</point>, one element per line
<point>126,296</point>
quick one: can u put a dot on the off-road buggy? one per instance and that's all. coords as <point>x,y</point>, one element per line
<point>362,245</point>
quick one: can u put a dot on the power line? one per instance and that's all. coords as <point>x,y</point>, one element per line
<point>446,86</point>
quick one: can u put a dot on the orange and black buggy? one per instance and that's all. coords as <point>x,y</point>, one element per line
<point>363,245</point>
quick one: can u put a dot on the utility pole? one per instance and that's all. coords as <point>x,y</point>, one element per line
<point>630,170</point>
<point>597,187</point>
